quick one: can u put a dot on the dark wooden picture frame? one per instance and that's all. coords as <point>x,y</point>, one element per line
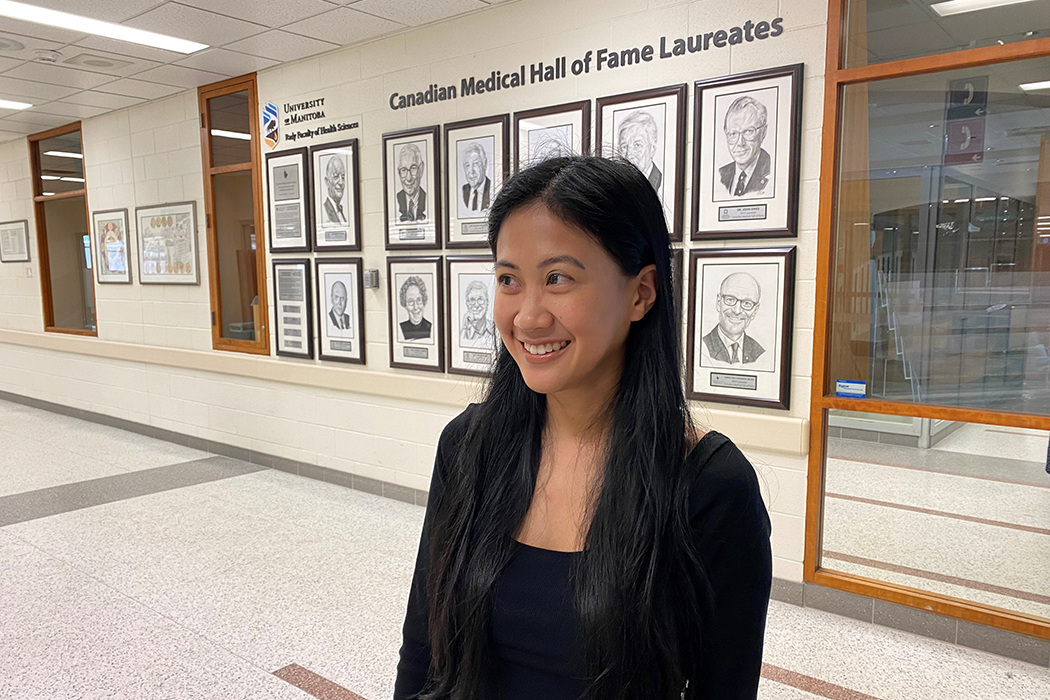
<point>25,242</point>
<point>502,124</point>
<point>308,354</point>
<point>677,270</point>
<point>96,247</point>
<point>582,106</point>
<point>786,299</point>
<point>353,195</point>
<point>677,151</point>
<point>438,296</point>
<point>435,197</point>
<point>319,263</point>
<point>795,73</point>
<point>306,194</point>
<point>451,308</point>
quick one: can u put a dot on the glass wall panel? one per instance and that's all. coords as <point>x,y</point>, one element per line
<point>231,139</point>
<point>235,235</point>
<point>960,509</point>
<point>889,30</point>
<point>69,263</point>
<point>61,164</point>
<point>941,290</point>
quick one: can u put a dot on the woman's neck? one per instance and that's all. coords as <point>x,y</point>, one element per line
<point>580,414</point>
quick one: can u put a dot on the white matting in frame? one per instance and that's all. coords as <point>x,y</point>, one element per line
<point>411,188</point>
<point>647,128</point>
<point>288,200</point>
<point>740,325</point>
<point>476,158</point>
<point>293,323</point>
<point>14,241</point>
<point>472,338</point>
<point>416,321</point>
<point>746,154</point>
<point>340,310</point>
<point>112,260</point>
<point>336,196</point>
<point>549,132</point>
<point>167,236</point>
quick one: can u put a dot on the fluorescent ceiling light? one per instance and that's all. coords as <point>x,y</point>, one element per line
<point>9,104</point>
<point>86,25</point>
<point>50,177</point>
<point>958,7</point>
<point>48,194</point>
<point>231,134</point>
<point>1035,86</point>
<point>964,199</point>
<point>63,154</point>
<point>979,199</point>
<point>71,179</point>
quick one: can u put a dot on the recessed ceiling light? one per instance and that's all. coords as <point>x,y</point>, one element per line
<point>86,25</point>
<point>1041,85</point>
<point>8,104</point>
<point>231,134</point>
<point>65,154</point>
<point>958,7</point>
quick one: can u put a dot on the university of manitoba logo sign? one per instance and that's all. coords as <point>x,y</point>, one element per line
<point>271,127</point>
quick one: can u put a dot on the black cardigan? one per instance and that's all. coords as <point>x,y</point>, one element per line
<point>732,526</point>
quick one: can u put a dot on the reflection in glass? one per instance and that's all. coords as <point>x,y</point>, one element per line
<point>235,236</point>
<point>72,293</point>
<point>230,129</point>
<point>942,252</point>
<point>61,164</point>
<point>960,509</point>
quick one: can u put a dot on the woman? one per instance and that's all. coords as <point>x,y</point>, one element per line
<point>581,540</point>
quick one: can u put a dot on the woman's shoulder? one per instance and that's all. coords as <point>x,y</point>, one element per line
<point>456,428</point>
<point>722,478</point>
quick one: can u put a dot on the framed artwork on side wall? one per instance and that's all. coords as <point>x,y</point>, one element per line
<point>561,130</point>
<point>340,310</point>
<point>747,134</point>
<point>293,320</point>
<point>167,243</point>
<point>477,161</point>
<point>14,241</point>
<point>411,188</point>
<point>336,196</point>
<point>416,317</point>
<point>289,200</point>
<point>472,339</point>
<point>740,325</point>
<point>112,262</point>
<point>647,128</point>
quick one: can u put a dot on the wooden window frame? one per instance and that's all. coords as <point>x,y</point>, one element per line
<point>260,346</point>
<point>41,226</point>
<point>837,78</point>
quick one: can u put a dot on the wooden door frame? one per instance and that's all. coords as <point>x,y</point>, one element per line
<point>260,346</point>
<point>47,298</point>
<point>836,78</point>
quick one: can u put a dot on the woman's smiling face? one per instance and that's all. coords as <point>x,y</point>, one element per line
<point>563,306</point>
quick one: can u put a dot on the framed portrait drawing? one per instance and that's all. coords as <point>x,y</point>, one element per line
<point>472,338</point>
<point>411,188</point>
<point>547,132</point>
<point>289,201</point>
<point>746,154</point>
<point>416,316</point>
<point>293,322</point>
<point>677,266</point>
<point>14,241</point>
<point>740,324</point>
<point>112,263</point>
<point>648,129</point>
<point>168,243</point>
<point>477,161</point>
<point>336,196</point>
<point>340,310</point>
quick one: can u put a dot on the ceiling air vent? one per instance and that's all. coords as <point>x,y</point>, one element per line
<point>9,44</point>
<point>90,61</point>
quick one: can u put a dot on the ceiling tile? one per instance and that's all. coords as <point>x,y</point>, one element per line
<point>195,24</point>
<point>70,110</point>
<point>82,59</point>
<point>15,88</point>
<point>415,12</point>
<point>226,62</point>
<point>9,136</point>
<point>272,14</point>
<point>30,45</point>
<point>344,26</point>
<point>110,10</point>
<point>281,46</point>
<point>38,120</point>
<point>28,128</point>
<point>58,75</point>
<point>9,63</point>
<point>124,48</point>
<point>183,77</point>
<point>139,88</point>
<point>91,98</point>
<point>41,31</point>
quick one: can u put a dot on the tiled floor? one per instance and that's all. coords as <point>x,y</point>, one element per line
<point>241,586</point>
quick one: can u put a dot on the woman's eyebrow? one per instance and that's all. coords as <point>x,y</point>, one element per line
<point>562,259</point>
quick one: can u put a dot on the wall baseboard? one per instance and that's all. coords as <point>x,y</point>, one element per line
<point>808,595</point>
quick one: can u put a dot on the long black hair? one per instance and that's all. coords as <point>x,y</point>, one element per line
<point>639,588</point>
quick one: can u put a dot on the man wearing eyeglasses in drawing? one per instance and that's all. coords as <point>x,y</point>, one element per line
<point>411,198</point>
<point>737,304</point>
<point>745,128</point>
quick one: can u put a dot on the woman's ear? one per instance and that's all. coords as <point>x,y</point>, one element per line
<point>644,285</point>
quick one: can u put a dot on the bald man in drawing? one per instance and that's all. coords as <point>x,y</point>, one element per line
<point>737,304</point>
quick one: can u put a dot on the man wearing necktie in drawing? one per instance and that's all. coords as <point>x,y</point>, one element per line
<point>737,304</point>
<point>338,319</point>
<point>477,192</point>
<point>335,183</point>
<point>745,129</point>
